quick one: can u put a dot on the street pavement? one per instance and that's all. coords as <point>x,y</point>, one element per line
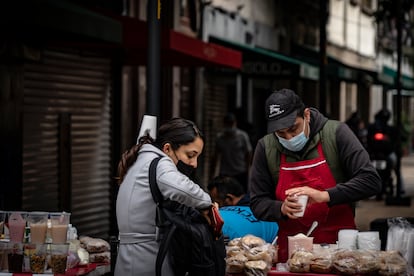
<point>371,209</point>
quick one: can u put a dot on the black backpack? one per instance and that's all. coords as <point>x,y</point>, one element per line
<point>186,236</point>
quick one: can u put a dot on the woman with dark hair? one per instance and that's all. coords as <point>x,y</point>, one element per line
<point>180,143</point>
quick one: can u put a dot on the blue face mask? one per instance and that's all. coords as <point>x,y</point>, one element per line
<point>295,143</point>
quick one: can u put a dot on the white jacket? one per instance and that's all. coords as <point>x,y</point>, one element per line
<point>135,211</point>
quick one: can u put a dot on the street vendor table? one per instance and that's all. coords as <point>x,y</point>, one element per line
<point>285,273</point>
<point>273,272</point>
<point>92,269</point>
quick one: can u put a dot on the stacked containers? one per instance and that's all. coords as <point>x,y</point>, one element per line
<point>59,249</point>
<point>17,226</point>
<point>37,250</point>
<point>28,246</point>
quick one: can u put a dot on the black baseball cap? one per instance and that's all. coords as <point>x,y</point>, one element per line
<point>281,109</point>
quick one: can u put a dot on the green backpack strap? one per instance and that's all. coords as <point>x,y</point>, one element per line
<point>272,155</point>
<point>328,139</point>
<point>331,153</point>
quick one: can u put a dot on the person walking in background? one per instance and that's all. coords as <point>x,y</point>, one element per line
<point>357,125</point>
<point>235,211</point>
<point>233,152</point>
<point>248,127</point>
<point>384,147</point>
<point>389,143</point>
<point>304,153</point>
<point>179,143</point>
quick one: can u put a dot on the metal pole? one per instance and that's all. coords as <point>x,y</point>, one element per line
<point>399,53</point>
<point>398,199</point>
<point>153,66</point>
<point>322,55</point>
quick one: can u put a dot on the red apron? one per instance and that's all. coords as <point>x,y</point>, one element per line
<point>314,173</point>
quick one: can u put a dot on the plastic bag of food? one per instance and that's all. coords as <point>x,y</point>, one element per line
<point>102,257</point>
<point>400,237</point>
<point>300,261</point>
<point>368,261</point>
<point>322,260</point>
<point>83,256</point>
<point>392,263</point>
<point>250,241</point>
<point>236,263</point>
<point>73,258</point>
<point>94,245</point>
<point>234,242</point>
<point>345,261</point>
<point>256,268</point>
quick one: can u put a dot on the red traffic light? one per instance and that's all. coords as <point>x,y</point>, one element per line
<point>379,136</point>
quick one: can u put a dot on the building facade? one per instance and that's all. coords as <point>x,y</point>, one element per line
<point>75,83</point>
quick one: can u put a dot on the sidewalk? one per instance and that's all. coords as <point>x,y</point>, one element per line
<point>371,209</point>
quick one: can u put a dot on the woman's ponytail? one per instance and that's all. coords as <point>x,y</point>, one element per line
<point>130,156</point>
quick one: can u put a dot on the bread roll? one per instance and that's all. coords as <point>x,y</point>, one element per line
<point>250,241</point>
<point>259,253</point>
<point>233,251</point>
<point>234,242</point>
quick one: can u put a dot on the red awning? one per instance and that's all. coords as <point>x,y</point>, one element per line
<point>176,49</point>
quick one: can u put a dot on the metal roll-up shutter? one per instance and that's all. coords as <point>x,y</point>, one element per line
<point>66,130</point>
<point>215,96</point>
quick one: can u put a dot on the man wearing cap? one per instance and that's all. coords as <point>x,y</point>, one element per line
<point>305,153</point>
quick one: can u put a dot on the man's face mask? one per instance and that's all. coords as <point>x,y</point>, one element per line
<point>295,143</point>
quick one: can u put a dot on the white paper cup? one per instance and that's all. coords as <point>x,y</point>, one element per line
<point>347,239</point>
<point>369,240</point>
<point>303,200</point>
<point>148,126</point>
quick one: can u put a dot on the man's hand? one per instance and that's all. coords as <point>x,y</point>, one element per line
<point>291,206</point>
<point>314,194</point>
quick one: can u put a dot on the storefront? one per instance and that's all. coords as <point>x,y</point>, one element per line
<point>57,110</point>
<point>244,91</point>
<point>61,112</point>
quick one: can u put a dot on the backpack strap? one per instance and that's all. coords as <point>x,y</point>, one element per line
<point>162,251</point>
<point>272,155</point>
<point>155,191</point>
<point>158,199</point>
<point>328,139</point>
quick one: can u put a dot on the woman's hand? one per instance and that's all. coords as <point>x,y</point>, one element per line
<point>213,218</point>
<point>314,194</point>
<point>207,212</point>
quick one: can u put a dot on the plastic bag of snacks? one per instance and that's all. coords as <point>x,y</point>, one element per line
<point>249,254</point>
